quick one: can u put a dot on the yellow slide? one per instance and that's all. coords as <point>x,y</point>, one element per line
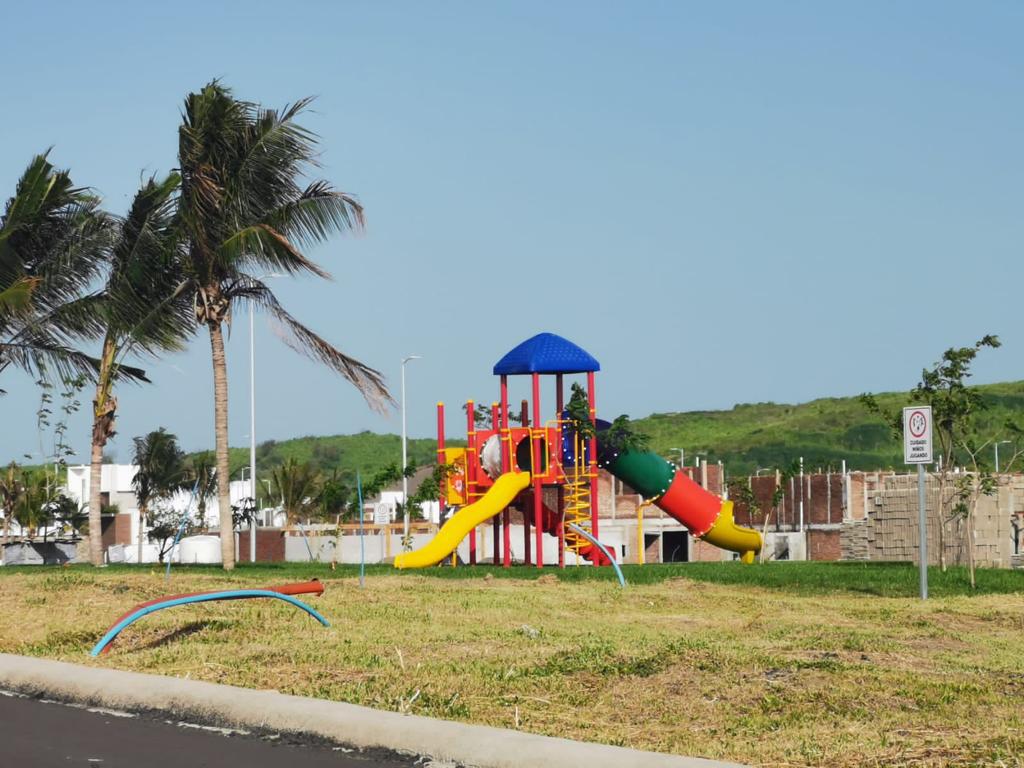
<point>500,495</point>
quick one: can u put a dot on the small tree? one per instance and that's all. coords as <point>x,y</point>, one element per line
<point>298,486</point>
<point>12,486</point>
<point>201,476</point>
<point>955,406</point>
<point>161,472</point>
<point>333,497</point>
<point>33,509</point>
<point>482,416</point>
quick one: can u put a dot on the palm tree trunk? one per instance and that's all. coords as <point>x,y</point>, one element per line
<point>220,411</point>
<point>104,408</point>
<point>95,516</point>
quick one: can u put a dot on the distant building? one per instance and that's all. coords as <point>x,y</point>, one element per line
<point>121,530</point>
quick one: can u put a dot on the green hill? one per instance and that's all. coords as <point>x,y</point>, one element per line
<point>822,431</point>
<point>365,452</point>
<point>745,437</point>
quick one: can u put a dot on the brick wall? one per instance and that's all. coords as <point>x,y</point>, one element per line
<point>702,552</point>
<point>116,529</point>
<point>269,545</point>
<point>822,496</point>
<point>823,545</point>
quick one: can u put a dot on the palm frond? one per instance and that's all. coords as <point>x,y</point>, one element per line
<point>367,380</point>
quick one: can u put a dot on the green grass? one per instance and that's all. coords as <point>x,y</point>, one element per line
<point>803,578</point>
<point>814,664</point>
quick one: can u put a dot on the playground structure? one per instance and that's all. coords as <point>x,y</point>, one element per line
<point>547,469</point>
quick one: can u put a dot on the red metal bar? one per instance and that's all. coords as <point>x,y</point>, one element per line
<point>560,528</point>
<point>524,419</point>
<point>537,445</point>
<point>440,454</point>
<point>591,401</point>
<point>471,466</point>
<point>506,466</point>
<point>496,426</point>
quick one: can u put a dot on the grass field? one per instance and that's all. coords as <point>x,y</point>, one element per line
<point>785,664</point>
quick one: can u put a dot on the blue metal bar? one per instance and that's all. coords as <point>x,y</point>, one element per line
<point>599,545</point>
<point>231,594</point>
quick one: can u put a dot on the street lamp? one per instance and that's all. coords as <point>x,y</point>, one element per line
<point>682,456</point>
<point>405,460</point>
<point>759,470</point>
<point>1001,442</point>
<point>252,418</point>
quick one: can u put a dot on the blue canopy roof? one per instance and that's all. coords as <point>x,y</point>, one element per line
<point>546,353</point>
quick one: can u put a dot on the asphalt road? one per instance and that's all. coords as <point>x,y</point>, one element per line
<point>39,734</point>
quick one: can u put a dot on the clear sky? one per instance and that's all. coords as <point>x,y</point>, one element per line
<point>722,201</point>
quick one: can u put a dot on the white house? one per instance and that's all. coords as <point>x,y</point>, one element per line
<point>116,485</point>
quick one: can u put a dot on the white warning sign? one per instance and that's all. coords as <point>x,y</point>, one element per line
<point>917,434</point>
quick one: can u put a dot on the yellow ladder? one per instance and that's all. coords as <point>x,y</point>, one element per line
<point>578,506</point>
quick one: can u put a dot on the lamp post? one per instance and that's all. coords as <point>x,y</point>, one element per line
<point>405,459</point>
<point>1001,442</point>
<point>682,456</point>
<point>252,419</point>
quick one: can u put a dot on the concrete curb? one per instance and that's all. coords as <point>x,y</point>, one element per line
<point>470,745</point>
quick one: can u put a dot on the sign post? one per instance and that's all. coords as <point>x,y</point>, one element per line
<point>917,449</point>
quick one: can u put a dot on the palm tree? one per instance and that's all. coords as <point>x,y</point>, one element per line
<point>142,307</point>
<point>242,211</point>
<point>33,508</point>
<point>12,487</point>
<point>53,240</point>
<point>298,485</point>
<point>161,471</point>
<point>201,475</point>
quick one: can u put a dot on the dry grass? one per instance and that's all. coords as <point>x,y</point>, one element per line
<point>736,672</point>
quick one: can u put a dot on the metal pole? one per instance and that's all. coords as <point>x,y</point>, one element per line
<point>922,531</point>
<point>362,539</point>
<point>252,434</point>
<point>405,463</point>
<point>801,495</point>
<point>405,458</point>
<point>1001,442</point>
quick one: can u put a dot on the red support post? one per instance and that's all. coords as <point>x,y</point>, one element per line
<point>591,401</point>
<point>471,465</point>
<point>440,457</point>
<point>537,445</point>
<point>524,419</point>
<point>560,530</point>
<point>506,466</point>
<point>496,426</point>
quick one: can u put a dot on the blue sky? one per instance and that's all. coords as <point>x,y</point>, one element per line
<point>723,202</point>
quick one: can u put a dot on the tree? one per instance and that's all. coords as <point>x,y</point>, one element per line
<point>241,211</point>
<point>201,476</point>
<point>333,495</point>
<point>297,483</point>
<point>161,472</point>
<point>12,487</point>
<point>955,406</point>
<point>32,510</point>
<point>142,307</point>
<point>53,239</point>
